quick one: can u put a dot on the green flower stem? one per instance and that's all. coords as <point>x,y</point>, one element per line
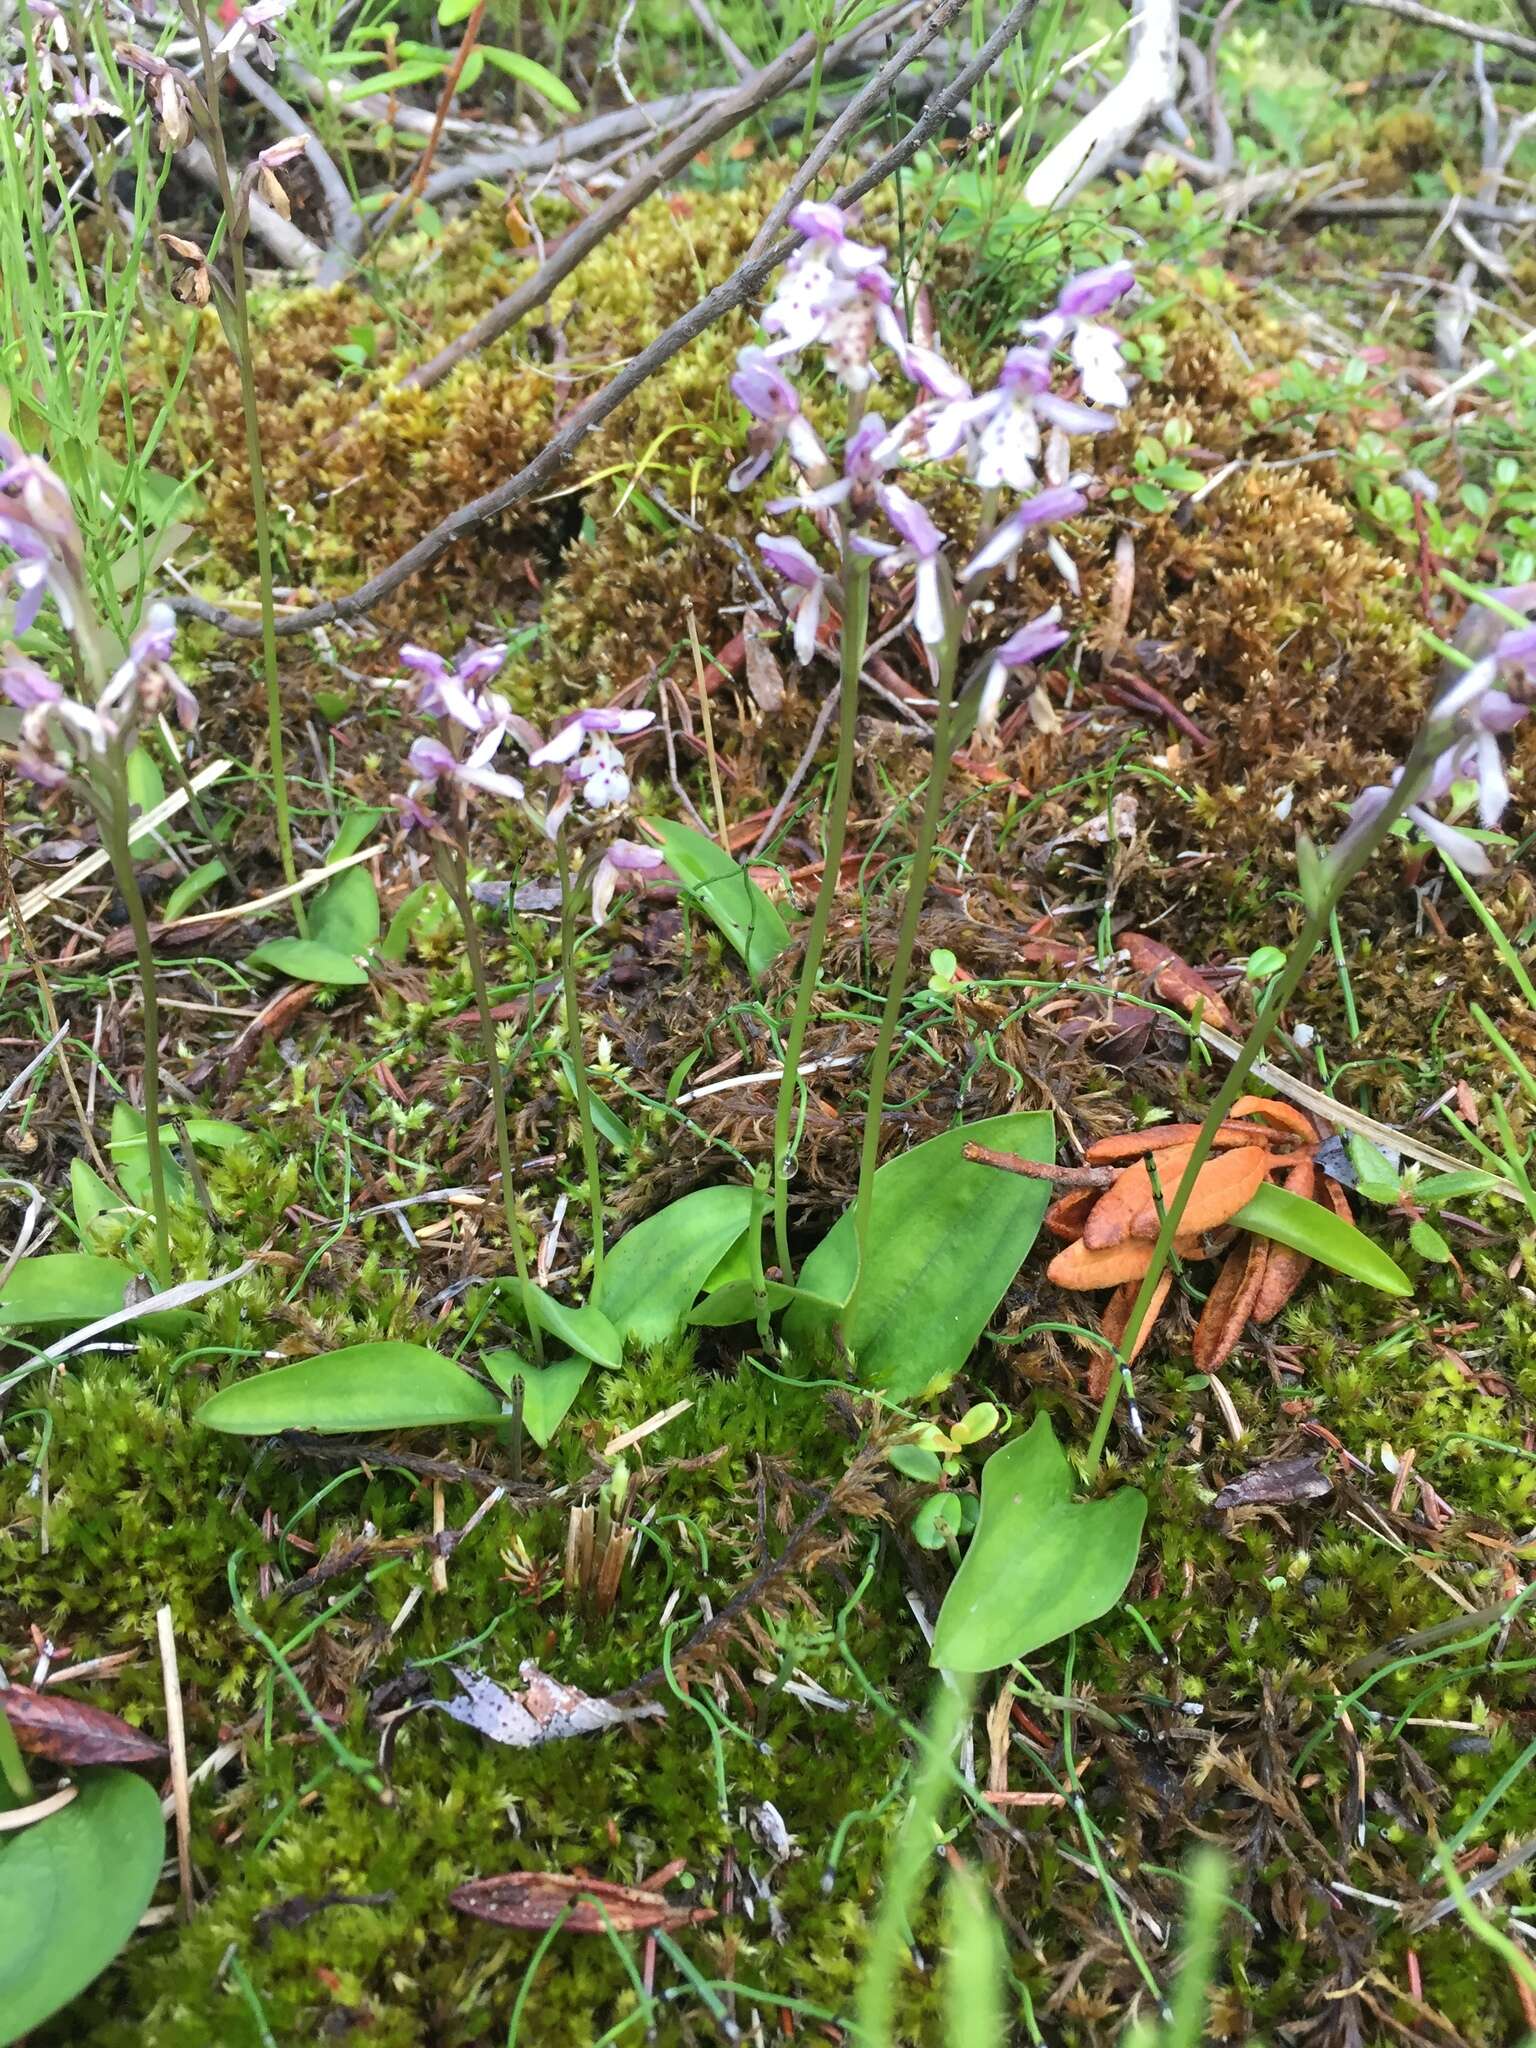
<point>1335,875</point>
<point>241,338</point>
<point>113,813</point>
<point>856,575</point>
<point>453,873</point>
<point>944,737</point>
<point>573,1046</point>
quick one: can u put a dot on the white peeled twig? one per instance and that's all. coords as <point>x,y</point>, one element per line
<point>173,1297</point>
<point>1146,90</point>
<point>50,892</point>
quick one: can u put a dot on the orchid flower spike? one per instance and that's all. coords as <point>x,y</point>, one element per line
<point>584,748</point>
<point>834,291</point>
<point>804,592</point>
<point>1001,428</point>
<point>1094,348</point>
<point>622,860</point>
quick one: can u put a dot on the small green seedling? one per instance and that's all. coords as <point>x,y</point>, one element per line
<point>934,1457</point>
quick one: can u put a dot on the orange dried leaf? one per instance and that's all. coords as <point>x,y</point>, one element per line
<point>1079,1268</point>
<point>1110,1219</point>
<point>1116,1316</point>
<point>532,1900</point>
<point>1285,1116</point>
<point>1068,1213</point>
<point>1229,1303</point>
<point>1221,1188</point>
<point>1285,1269</point>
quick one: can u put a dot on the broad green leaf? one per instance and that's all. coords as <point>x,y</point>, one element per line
<point>308,960</point>
<point>1310,1228</point>
<point>72,1889</point>
<point>129,1147</point>
<point>345,913</point>
<point>913,1462</point>
<point>1446,1187</point>
<point>396,941</point>
<point>946,1239</point>
<point>449,12</point>
<point>736,1302</point>
<point>470,70</point>
<point>725,892</point>
<point>366,1386</point>
<point>1040,1563</point>
<point>534,75</point>
<point>194,888</point>
<point>548,1390</point>
<point>93,1199</point>
<point>63,1289</point>
<point>653,1275</point>
<point>353,834</point>
<point>587,1330</point>
<point>215,1133</point>
<point>146,789</point>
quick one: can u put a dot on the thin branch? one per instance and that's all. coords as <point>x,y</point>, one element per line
<point>385,226</point>
<point>1474,31</point>
<point>734,292</point>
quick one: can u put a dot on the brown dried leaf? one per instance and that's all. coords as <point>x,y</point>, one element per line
<point>1286,1269</point>
<point>1221,1188</point>
<point>1068,1213</point>
<point>1229,1303</point>
<point>67,1731</point>
<point>1280,1484</point>
<point>532,1900</point>
<point>1285,1116</point>
<point>1185,987</point>
<point>765,679</point>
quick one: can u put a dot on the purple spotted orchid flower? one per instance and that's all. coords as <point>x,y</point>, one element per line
<point>148,671</point>
<point>622,861</point>
<point>254,32</point>
<point>1477,711</point>
<point>1061,501</point>
<point>804,592</point>
<point>923,544</point>
<point>774,404</point>
<point>60,736</point>
<point>1093,347</point>
<point>834,292</point>
<point>457,690</point>
<point>1001,429</point>
<point>591,765</point>
<point>434,763</point>
<point>37,525</point>
<point>1021,650</point>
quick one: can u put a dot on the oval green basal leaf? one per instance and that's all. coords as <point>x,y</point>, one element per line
<point>653,1275</point>
<point>308,960</point>
<point>72,1889</point>
<point>946,1238</point>
<point>63,1288</point>
<point>721,888</point>
<point>1310,1228</point>
<point>1040,1563</point>
<point>548,1389</point>
<point>366,1386</point>
<point>586,1330</point>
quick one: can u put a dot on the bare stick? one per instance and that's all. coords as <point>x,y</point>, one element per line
<point>176,1741</point>
<point>1474,31</point>
<point>1041,1169</point>
<point>726,297</point>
